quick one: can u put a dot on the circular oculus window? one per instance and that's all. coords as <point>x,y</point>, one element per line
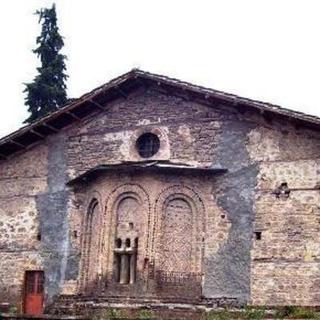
<point>147,145</point>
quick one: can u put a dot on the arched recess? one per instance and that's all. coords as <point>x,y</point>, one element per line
<point>90,246</point>
<point>127,217</point>
<point>177,235</point>
<point>177,243</point>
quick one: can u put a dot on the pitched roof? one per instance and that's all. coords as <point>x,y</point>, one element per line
<point>98,99</point>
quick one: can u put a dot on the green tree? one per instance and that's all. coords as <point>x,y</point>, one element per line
<point>47,92</point>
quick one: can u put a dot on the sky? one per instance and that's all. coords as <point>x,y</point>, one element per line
<point>261,49</point>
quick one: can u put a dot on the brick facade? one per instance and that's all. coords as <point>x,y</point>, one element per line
<point>248,234</point>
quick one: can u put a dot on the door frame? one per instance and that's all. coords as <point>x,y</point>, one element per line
<point>24,290</point>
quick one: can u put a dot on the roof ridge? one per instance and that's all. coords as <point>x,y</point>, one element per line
<point>115,83</point>
<point>225,94</point>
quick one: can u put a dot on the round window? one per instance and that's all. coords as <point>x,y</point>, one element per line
<point>148,145</point>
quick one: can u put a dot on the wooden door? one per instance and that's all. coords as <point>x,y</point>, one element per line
<point>33,299</point>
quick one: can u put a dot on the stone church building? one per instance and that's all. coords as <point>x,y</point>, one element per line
<point>153,190</point>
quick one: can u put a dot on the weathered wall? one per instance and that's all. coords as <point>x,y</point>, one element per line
<point>187,132</point>
<point>285,262</point>
<point>34,220</point>
<point>165,251</point>
<point>197,135</point>
<point>52,208</point>
<point>280,268</point>
<point>21,179</point>
<point>227,269</point>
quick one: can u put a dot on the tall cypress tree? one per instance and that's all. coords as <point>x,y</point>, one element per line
<point>47,92</point>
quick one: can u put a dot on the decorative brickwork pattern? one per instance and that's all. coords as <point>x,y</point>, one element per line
<point>176,245</point>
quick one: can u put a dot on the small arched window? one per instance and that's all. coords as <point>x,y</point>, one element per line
<point>118,243</point>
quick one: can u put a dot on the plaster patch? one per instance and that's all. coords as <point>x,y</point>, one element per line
<point>185,133</point>
<point>263,144</point>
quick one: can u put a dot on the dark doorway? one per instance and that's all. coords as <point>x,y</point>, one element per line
<point>33,292</point>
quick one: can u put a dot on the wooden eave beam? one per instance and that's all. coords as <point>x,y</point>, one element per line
<point>267,116</point>
<point>122,92</point>
<point>37,133</point>
<point>50,127</point>
<point>18,144</point>
<point>98,105</point>
<point>73,115</point>
<point>241,109</point>
<point>2,156</point>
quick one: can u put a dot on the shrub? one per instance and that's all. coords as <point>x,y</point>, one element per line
<point>217,315</point>
<point>305,313</point>
<point>254,313</point>
<point>295,312</point>
<point>145,314</point>
<point>13,310</point>
<point>108,314</point>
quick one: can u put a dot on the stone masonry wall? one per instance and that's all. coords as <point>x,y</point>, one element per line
<point>21,179</point>
<point>190,127</point>
<point>194,134</point>
<point>285,261</point>
<point>243,205</point>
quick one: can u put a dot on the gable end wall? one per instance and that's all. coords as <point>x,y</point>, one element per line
<point>281,268</point>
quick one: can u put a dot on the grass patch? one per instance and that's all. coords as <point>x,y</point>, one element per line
<point>109,314</point>
<point>224,314</point>
<point>249,313</point>
<point>145,314</point>
<point>295,312</point>
<point>254,313</point>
